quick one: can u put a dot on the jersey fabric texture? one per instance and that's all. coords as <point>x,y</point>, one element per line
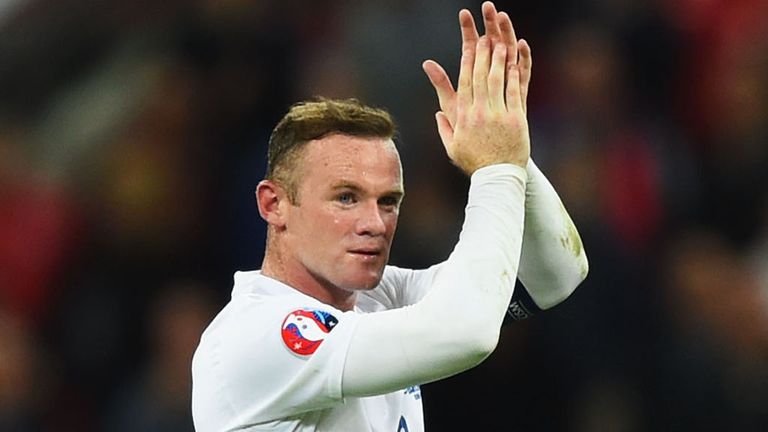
<point>253,372</point>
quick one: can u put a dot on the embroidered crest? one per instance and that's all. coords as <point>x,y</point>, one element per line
<point>303,330</point>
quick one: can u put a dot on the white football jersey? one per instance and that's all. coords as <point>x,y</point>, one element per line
<point>273,359</point>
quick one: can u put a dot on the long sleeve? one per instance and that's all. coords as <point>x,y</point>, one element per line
<point>457,324</point>
<point>553,262</point>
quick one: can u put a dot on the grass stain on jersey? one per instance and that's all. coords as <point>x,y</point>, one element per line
<point>571,241</point>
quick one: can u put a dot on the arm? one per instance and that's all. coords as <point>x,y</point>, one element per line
<point>456,325</point>
<point>553,261</point>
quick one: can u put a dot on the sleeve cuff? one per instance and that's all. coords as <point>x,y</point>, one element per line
<point>496,171</point>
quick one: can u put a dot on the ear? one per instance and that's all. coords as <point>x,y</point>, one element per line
<point>271,199</point>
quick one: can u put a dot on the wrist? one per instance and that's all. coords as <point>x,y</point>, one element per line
<point>499,170</point>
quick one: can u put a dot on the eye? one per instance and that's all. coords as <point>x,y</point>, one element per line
<point>389,201</point>
<point>346,198</point>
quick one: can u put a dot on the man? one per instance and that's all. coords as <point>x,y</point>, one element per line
<point>327,336</point>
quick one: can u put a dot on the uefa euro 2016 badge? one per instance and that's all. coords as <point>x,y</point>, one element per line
<point>303,330</point>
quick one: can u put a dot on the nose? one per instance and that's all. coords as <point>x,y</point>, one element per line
<point>371,222</point>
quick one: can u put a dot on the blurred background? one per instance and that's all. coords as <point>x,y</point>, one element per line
<point>133,133</point>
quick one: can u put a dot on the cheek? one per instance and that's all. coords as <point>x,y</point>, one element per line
<point>331,224</point>
<point>391,221</point>
<point>311,226</point>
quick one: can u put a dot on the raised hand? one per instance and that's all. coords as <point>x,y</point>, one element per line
<point>489,126</point>
<point>499,29</point>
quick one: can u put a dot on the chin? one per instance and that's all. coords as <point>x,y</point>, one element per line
<point>364,282</point>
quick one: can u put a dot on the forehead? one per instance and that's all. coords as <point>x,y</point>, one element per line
<point>366,160</point>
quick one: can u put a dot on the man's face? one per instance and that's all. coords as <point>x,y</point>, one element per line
<point>340,229</point>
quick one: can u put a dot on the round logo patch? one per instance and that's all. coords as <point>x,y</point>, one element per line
<point>303,330</point>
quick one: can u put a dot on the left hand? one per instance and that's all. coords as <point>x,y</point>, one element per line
<point>499,29</point>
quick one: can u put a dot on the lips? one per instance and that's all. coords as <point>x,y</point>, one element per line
<point>366,251</point>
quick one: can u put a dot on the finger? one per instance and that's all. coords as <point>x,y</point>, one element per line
<point>496,77</point>
<point>526,63</point>
<point>445,130</point>
<point>442,84</point>
<point>513,88</point>
<point>490,22</point>
<point>469,34</point>
<point>464,94</point>
<point>508,36</point>
<point>481,70</point>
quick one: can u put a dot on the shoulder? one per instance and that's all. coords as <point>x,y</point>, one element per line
<point>265,320</point>
<point>387,294</point>
<point>399,287</point>
<point>260,343</point>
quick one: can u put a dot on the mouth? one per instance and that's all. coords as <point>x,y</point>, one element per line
<point>366,252</point>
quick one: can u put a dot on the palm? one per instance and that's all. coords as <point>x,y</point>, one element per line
<point>499,29</point>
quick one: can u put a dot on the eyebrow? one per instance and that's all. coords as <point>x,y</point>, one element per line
<point>398,193</point>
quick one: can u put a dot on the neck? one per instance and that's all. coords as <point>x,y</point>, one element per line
<point>283,269</point>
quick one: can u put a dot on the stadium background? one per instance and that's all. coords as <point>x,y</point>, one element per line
<point>132,134</point>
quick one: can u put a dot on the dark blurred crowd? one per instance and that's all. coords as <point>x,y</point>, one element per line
<point>132,135</point>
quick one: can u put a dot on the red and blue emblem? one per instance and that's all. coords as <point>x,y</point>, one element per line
<point>303,330</point>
